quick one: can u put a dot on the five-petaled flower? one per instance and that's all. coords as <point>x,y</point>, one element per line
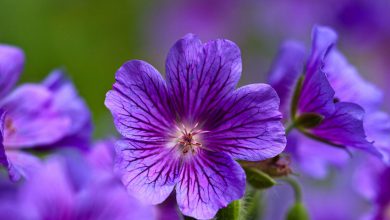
<point>186,132</point>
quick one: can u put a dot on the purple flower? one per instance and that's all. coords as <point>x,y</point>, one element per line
<point>52,193</point>
<point>36,115</point>
<point>184,133</point>
<point>351,87</point>
<point>69,103</point>
<point>329,88</point>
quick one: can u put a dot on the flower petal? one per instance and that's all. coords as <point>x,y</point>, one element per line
<point>102,154</point>
<point>349,85</point>
<point>209,181</point>
<point>4,160</point>
<point>11,66</point>
<point>345,127</point>
<point>316,95</point>
<point>139,102</point>
<point>248,126</point>
<point>286,69</point>
<point>22,164</point>
<point>377,127</point>
<point>323,39</point>
<point>49,187</point>
<point>68,102</point>
<point>200,76</point>
<point>3,157</point>
<point>17,163</point>
<point>149,170</point>
<point>31,119</point>
<point>105,198</point>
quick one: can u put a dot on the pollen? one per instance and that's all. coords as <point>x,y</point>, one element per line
<point>189,139</point>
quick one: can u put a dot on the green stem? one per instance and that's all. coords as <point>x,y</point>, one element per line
<point>296,95</point>
<point>289,127</point>
<point>296,187</point>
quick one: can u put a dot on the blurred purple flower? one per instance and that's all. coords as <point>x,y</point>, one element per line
<point>185,132</point>
<point>35,115</point>
<point>364,27</point>
<point>330,89</point>
<point>51,193</point>
<point>69,103</point>
<point>335,195</point>
<point>371,181</point>
<point>332,197</point>
<point>102,155</point>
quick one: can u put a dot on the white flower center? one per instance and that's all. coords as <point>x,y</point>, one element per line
<point>189,140</point>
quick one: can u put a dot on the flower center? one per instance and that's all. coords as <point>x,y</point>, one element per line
<point>189,139</point>
<point>9,126</point>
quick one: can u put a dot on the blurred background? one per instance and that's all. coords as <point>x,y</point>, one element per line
<point>92,38</point>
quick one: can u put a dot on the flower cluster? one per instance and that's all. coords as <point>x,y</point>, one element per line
<point>193,139</point>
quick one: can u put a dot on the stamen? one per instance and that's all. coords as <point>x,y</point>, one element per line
<point>188,141</point>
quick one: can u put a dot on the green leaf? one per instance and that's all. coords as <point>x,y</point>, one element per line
<point>297,212</point>
<point>309,120</point>
<point>231,212</point>
<point>259,179</point>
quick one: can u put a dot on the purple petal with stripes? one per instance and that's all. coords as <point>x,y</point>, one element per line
<point>149,170</point>
<point>317,94</point>
<point>139,102</point>
<point>248,126</point>
<point>345,127</point>
<point>208,182</point>
<point>200,76</point>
